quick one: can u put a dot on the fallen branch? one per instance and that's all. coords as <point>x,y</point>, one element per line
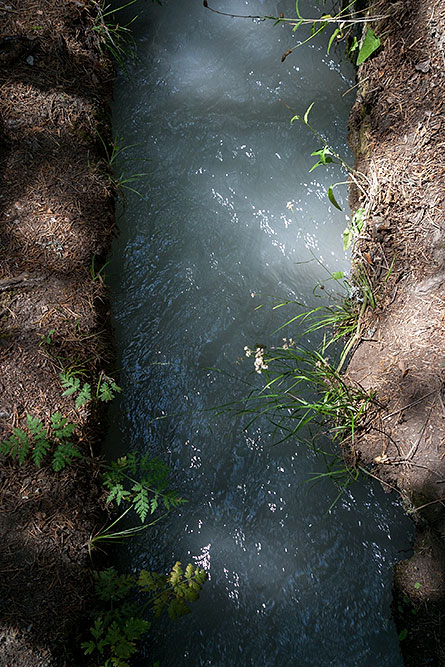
<point>23,280</point>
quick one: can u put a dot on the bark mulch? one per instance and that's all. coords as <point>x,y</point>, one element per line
<point>397,130</point>
<point>56,216</point>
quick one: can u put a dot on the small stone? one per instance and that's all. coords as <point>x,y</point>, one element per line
<point>381,225</point>
<point>30,60</point>
<point>423,66</point>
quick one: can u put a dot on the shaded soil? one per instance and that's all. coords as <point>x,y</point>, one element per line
<point>56,215</point>
<point>397,130</point>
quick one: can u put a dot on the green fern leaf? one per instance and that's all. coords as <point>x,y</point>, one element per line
<point>69,383</point>
<point>60,427</point>
<point>116,662</point>
<point>118,493</point>
<point>134,628</point>
<point>113,586</point>
<point>40,449</point>
<point>64,454</point>
<point>88,647</point>
<point>34,425</point>
<point>17,445</point>
<point>146,581</point>
<point>160,603</point>
<point>108,389</point>
<point>131,461</point>
<point>140,501</point>
<point>177,608</point>
<point>153,505</point>
<point>84,395</point>
<point>175,575</point>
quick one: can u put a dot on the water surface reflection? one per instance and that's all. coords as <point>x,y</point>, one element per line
<point>289,584</point>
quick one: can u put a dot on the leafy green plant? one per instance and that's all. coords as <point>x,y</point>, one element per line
<point>106,388</point>
<point>94,273</point>
<point>38,441</point>
<point>113,37</point>
<point>303,389</point>
<point>342,22</point>
<point>293,374</point>
<point>47,339</point>
<point>342,319</point>
<point>370,44</point>
<point>354,229</point>
<point>327,155</point>
<point>72,385</point>
<point>137,484</point>
<point>122,623</point>
<point>116,166</point>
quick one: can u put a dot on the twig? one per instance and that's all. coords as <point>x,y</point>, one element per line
<point>410,405</point>
<point>394,488</point>
<point>302,21</point>
<point>23,280</point>
<point>432,502</point>
<point>390,438</point>
<point>396,462</point>
<point>355,86</point>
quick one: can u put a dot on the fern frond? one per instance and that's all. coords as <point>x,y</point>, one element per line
<point>40,449</point>
<point>112,586</point>
<point>64,454</point>
<point>171,499</point>
<point>117,493</point>
<point>140,501</point>
<point>35,426</point>
<point>17,445</point>
<point>41,444</point>
<point>84,395</point>
<point>154,504</point>
<point>108,389</point>
<point>69,383</point>
<point>60,427</point>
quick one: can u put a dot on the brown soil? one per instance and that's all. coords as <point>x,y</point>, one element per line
<point>56,214</point>
<point>398,134</point>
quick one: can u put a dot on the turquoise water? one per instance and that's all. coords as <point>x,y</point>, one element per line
<point>234,221</point>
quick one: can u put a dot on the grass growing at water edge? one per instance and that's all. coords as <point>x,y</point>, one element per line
<point>304,391</point>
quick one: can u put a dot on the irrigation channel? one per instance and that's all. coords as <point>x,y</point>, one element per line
<point>290,583</point>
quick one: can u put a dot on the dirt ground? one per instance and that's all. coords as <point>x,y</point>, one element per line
<point>397,130</point>
<point>56,215</point>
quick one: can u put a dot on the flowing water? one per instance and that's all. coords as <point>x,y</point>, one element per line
<point>233,220</point>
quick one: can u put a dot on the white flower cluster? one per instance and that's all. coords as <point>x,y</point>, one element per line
<point>258,363</point>
<point>288,343</point>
